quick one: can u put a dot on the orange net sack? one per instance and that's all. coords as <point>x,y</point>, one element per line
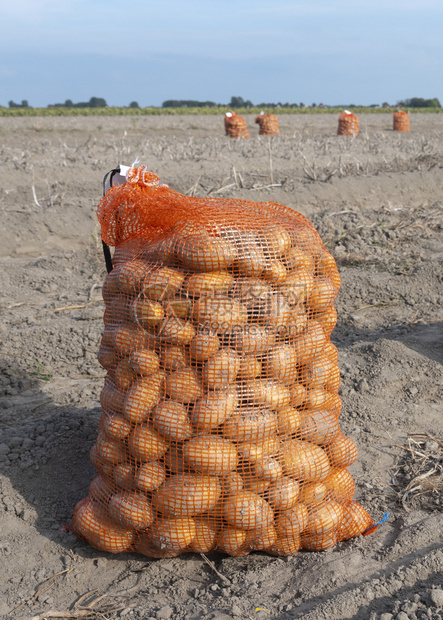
<point>268,124</point>
<point>348,124</point>
<point>401,121</point>
<point>220,408</point>
<point>235,126</point>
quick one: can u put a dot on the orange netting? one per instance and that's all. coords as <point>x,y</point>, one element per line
<point>401,121</point>
<point>268,124</point>
<point>348,124</point>
<point>220,409</point>
<point>235,126</point>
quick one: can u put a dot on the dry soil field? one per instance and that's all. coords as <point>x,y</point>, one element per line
<point>377,202</point>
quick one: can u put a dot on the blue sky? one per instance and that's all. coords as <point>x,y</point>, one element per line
<point>331,52</point>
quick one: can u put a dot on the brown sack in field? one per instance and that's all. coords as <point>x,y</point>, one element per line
<point>401,121</point>
<point>220,409</point>
<point>348,124</point>
<point>268,124</point>
<point>235,126</point>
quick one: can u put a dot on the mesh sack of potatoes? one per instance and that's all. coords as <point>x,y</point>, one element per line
<point>268,124</point>
<point>220,408</point>
<point>235,126</point>
<point>348,124</point>
<point>401,121</point>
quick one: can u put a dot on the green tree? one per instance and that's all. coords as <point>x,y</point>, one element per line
<point>237,102</point>
<point>134,104</point>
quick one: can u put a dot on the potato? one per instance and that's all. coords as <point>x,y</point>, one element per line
<point>331,351</point>
<point>298,394</point>
<point>100,490</point>
<point>146,313</point>
<point>355,521</point>
<point>304,461</point>
<point>232,482</point>
<point>213,409</point>
<point>297,287</point>
<point>115,426</point>
<point>111,286</point>
<point>276,240</point>
<point>144,362</point>
<point>131,276</point>
<point>109,449</point>
<point>124,375</point>
<point>212,283</point>
<point>254,484</point>
<point>317,372</point>
<point>105,468</point>
<point>204,345</point>
<point>281,364</point>
<point>266,393</point>
<point>123,475</point>
<point>176,331</point>
<point>327,319</point>
<point>111,399</point>
<point>232,540</point>
<point>268,468</point>
<point>284,319</point>
<point>205,537</point>
<point>256,451</point>
<point>162,283</point>
<point>219,314</point>
<point>128,338</point>
<point>318,398</point>
<point>210,454</point>
<point>220,370</point>
<point>251,339</point>
<point>318,542</point>
<point>318,426</point>
<point>145,546</point>
<point>310,342</point>
<point>305,237</point>
<point>251,424</point>
<point>288,421</point>
<point>324,518</point>
<point>250,368</point>
<point>173,357</point>
<point>322,294</point>
<point>253,292</point>
<point>205,253</point>
<point>92,522</point>
<point>146,444</point>
<point>261,539</point>
<point>183,385</point>
<point>142,396</point>
<point>334,380</point>
<point>313,492</point>
<point>292,522</point>
<point>295,259</point>
<point>175,461</point>
<point>283,493</point>
<point>275,271</point>
<point>107,357</point>
<point>340,484</point>
<point>186,495</point>
<point>171,420</point>
<point>247,511</point>
<point>342,451</point>
<point>334,404</point>
<point>251,263</point>
<point>285,546</point>
<point>174,534</point>
<point>131,510</point>
<point>327,268</point>
<point>178,307</point>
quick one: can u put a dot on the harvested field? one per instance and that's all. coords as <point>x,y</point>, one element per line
<point>376,200</point>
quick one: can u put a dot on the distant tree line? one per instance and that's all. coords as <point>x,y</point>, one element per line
<point>417,102</point>
<point>235,102</point>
